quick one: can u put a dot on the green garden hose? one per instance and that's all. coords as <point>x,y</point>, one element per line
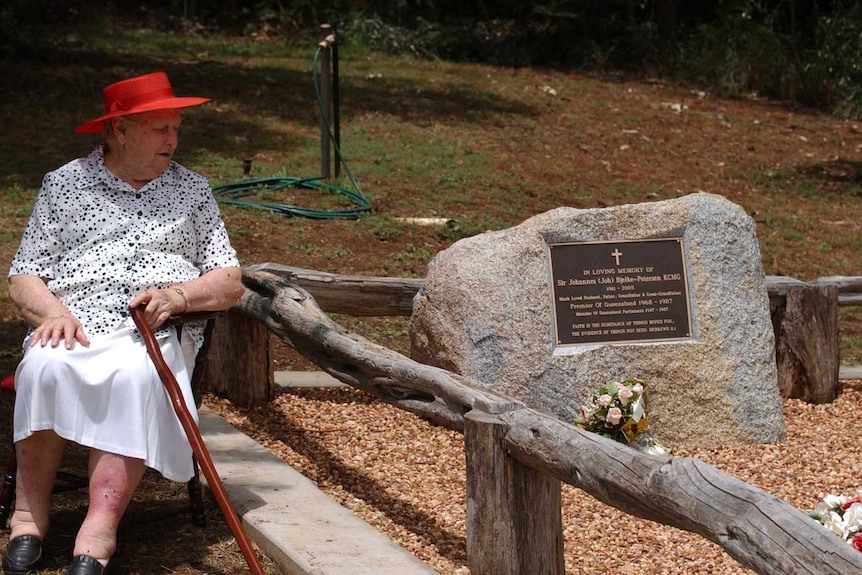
<point>241,193</point>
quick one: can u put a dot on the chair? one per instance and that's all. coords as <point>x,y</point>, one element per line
<point>69,481</point>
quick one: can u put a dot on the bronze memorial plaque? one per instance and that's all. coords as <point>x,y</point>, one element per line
<point>619,292</point>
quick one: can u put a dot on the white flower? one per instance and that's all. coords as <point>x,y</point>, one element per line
<point>656,448</point>
<point>834,501</point>
<point>846,523</point>
<point>853,519</point>
<point>822,509</point>
<point>834,522</point>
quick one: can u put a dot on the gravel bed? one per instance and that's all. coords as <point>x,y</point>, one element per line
<point>406,477</point>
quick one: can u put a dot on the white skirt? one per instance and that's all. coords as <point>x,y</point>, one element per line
<point>110,397</point>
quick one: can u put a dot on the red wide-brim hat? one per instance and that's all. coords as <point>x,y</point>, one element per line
<point>141,94</point>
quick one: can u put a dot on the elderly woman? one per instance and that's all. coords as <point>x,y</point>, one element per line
<point>124,227</point>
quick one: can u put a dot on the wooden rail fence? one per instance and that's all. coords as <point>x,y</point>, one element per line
<point>517,457</point>
<point>804,318</point>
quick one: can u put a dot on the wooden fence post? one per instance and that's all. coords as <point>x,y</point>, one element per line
<point>238,366</point>
<point>806,343</point>
<point>514,523</point>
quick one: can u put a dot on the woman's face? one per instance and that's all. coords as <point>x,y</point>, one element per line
<point>149,142</point>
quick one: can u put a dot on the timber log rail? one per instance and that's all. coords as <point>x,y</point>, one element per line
<point>848,288</point>
<point>517,457</point>
<point>384,296</point>
<point>804,318</point>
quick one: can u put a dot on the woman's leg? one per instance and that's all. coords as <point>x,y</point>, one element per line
<point>39,456</point>
<point>113,479</point>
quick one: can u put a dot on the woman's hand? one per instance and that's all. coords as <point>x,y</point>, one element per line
<point>160,304</point>
<point>215,290</point>
<point>51,319</point>
<point>63,326</point>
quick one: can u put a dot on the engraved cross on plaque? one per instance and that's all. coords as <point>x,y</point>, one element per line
<point>617,253</point>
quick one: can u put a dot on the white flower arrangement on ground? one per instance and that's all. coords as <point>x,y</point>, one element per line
<point>843,516</point>
<point>620,412</point>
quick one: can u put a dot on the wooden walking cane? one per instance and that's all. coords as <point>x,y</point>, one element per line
<point>198,447</point>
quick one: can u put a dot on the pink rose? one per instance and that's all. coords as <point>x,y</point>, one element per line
<point>605,399</point>
<point>625,395</point>
<point>614,415</point>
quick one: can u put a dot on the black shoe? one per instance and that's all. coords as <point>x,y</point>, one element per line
<point>22,555</point>
<point>85,565</point>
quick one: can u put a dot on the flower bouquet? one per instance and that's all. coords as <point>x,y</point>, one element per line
<point>619,412</point>
<point>843,516</point>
